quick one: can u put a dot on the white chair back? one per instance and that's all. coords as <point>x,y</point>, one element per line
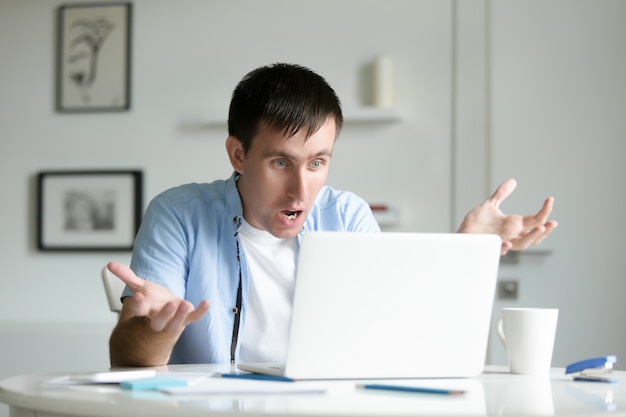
<point>113,286</point>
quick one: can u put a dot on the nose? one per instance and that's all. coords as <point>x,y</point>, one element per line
<point>298,189</point>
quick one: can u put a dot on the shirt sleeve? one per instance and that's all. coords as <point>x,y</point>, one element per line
<point>341,211</point>
<point>359,216</point>
<point>161,246</point>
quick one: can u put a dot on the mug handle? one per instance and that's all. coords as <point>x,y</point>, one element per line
<point>500,331</point>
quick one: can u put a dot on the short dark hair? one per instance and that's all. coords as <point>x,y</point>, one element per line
<point>286,97</point>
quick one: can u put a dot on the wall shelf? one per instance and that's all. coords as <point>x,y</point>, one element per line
<point>371,115</point>
<point>355,115</point>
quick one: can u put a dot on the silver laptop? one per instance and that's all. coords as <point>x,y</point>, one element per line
<point>390,305</point>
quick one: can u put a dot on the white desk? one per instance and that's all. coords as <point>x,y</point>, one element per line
<point>493,393</point>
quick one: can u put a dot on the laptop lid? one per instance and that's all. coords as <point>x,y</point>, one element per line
<point>391,305</point>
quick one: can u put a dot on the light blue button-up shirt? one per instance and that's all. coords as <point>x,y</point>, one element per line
<point>188,241</point>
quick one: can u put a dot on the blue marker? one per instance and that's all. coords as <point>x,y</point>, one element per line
<point>404,388</point>
<point>258,377</point>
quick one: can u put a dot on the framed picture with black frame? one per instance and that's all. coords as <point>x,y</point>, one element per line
<point>89,210</point>
<point>93,57</point>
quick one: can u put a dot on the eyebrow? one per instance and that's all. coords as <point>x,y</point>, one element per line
<point>273,154</point>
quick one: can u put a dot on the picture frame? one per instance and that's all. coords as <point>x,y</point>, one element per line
<point>89,210</point>
<point>93,57</point>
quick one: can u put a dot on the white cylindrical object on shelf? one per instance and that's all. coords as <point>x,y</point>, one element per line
<point>383,88</point>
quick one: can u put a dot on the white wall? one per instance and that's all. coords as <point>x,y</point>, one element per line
<point>557,124</point>
<point>186,58</point>
<point>541,96</point>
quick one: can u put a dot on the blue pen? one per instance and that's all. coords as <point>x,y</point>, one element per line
<point>258,377</point>
<point>404,388</point>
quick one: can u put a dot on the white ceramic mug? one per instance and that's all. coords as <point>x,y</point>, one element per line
<point>528,338</point>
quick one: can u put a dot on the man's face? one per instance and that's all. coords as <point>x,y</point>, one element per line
<point>281,176</point>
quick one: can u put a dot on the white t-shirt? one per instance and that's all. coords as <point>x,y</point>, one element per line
<point>272,267</point>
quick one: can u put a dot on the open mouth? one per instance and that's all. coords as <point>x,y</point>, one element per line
<point>291,215</point>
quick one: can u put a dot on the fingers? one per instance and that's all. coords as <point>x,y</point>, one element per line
<point>137,305</point>
<point>173,318</point>
<point>505,247</point>
<point>199,311</point>
<point>549,227</point>
<point>503,191</point>
<point>541,217</point>
<point>170,316</point>
<point>534,236</point>
<point>527,240</point>
<point>126,274</point>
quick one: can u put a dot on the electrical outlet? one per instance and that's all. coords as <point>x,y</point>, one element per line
<point>508,290</point>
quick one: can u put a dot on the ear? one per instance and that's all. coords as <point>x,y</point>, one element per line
<point>236,154</point>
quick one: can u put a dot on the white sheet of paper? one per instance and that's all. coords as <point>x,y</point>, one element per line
<point>111,377</point>
<point>242,386</point>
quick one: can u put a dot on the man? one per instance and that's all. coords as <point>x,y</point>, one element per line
<point>234,242</point>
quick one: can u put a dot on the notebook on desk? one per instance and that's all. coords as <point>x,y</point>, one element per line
<point>390,305</point>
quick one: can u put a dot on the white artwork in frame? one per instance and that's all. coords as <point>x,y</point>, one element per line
<point>89,210</point>
<point>93,61</point>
